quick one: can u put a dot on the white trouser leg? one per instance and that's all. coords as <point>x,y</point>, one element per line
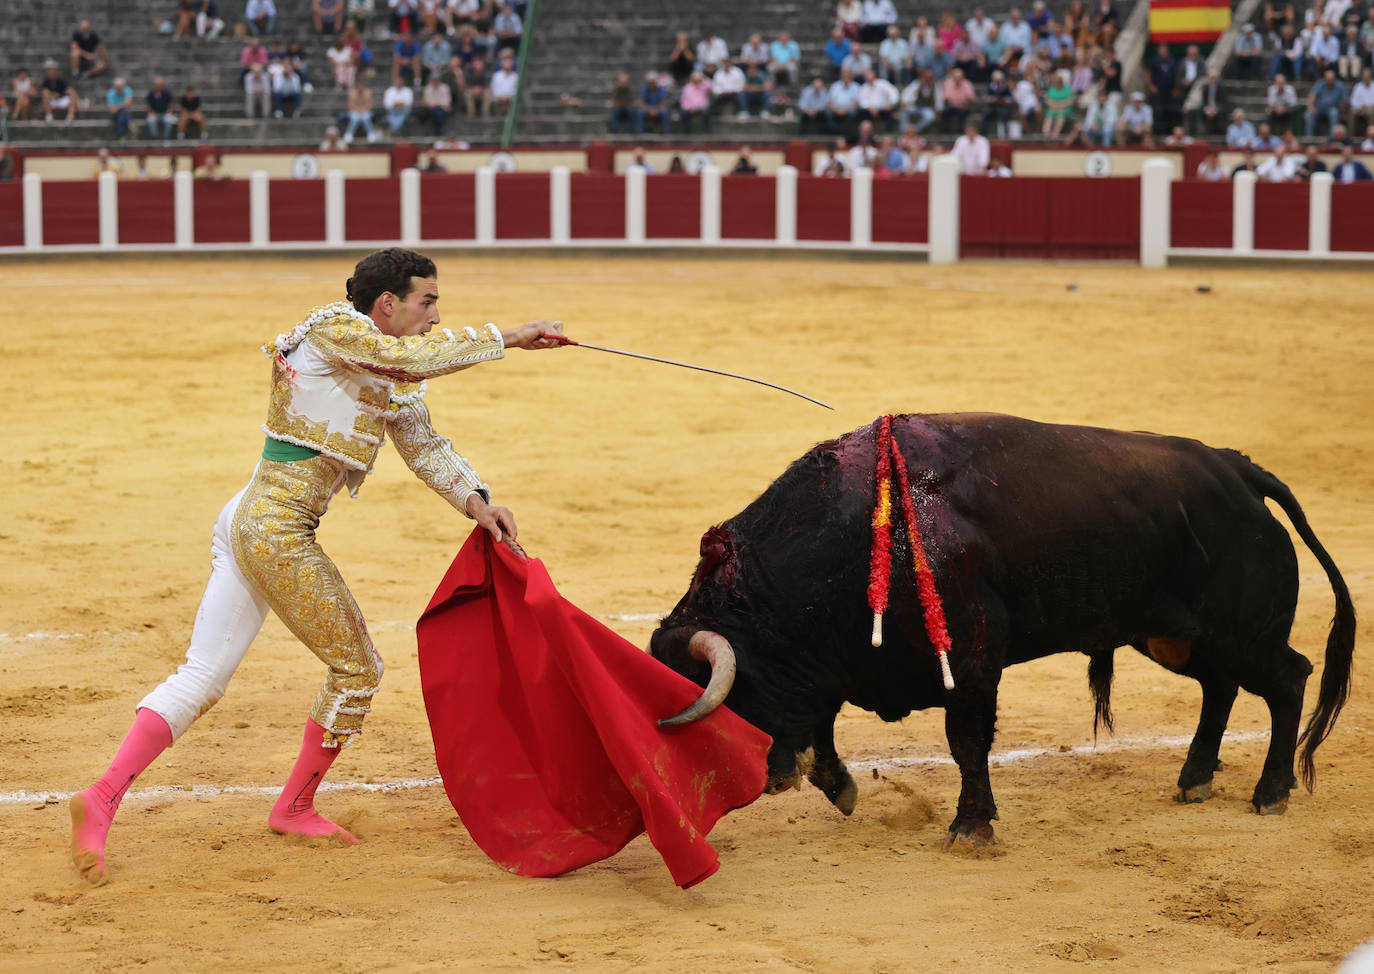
<point>230,615</point>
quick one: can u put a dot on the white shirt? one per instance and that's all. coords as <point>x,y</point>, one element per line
<point>1334,10</point>
<point>978,30</point>
<point>878,96</point>
<point>397,97</point>
<point>728,81</point>
<point>1277,170</point>
<point>972,153</point>
<point>504,83</point>
<point>861,157</point>
<point>1001,172</point>
<point>1362,95</point>
<point>1025,96</point>
<point>712,51</point>
<point>879,12</point>
<point>823,165</point>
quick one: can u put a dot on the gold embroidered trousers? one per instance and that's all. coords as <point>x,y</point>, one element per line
<point>273,541</point>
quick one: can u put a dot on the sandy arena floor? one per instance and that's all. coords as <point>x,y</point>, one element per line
<point>142,394</point>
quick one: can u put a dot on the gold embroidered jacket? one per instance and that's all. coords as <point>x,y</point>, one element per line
<point>339,383</point>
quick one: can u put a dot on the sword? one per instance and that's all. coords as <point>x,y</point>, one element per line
<point>565,340</point>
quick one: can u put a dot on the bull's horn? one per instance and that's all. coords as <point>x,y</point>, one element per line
<point>713,648</point>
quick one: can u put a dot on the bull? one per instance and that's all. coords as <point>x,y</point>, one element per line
<point>1042,539</point>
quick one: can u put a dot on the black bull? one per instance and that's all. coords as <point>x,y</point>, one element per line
<point>1043,539</point>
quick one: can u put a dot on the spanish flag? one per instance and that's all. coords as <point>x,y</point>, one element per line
<point>1188,21</point>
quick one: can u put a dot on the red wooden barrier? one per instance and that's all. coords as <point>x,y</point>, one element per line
<point>448,206</point>
<point>1200,214</point>
<point>598,206</point>
<point>71,213</point>
<point>672,206</point>
<point>1352,216</point>
<point>822,208</point>
<point>1003,217</point>
<point>522,206</point>
<point>1096,219</point>
<point>1280,216</point>
<point>147,212</point>
<point>900,210</point>
<point>295,209</point>
<point>372,208</point>
<point>221,212</point>
<point>12,214</point>
<point>748,207</point>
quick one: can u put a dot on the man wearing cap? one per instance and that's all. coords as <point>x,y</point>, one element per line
<point>57,94</point>
<point>1137,121</point>
<point>654,106</point>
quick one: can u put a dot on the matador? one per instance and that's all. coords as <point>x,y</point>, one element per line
<point>350,374</point>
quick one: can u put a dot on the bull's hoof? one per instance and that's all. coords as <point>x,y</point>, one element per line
<point>777,785</point>
<point>967,839</point>
<point>1195,795</point>
<point>1273,808</point>
<point>847,798</point>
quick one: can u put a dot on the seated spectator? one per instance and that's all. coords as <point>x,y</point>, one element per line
<point>190,113</point>
<point>681,61</point>
<point>436,104</point>
<point>397,102</point>
<point>254,53</point>
<point>959,99</point>
<point>300,60</point>
<point>210,168</point>
<point>832,163</point>
<point>710,53</point>
<point>429,16</point>
<point>640,160</point>
<point>1324,50</point>
<point>257,92</point>
<point>464,51</point>
<point>922,102</point>
<point>24,91</point>
<point>994,50</point>
<point>160,117</point>
<point>694,104</point>
<point>1325,101</point>
<point>1290,51</point>
<point>1015,34</point>
<point>1246,164</point>
<point>1352,55</point>
<point>1248,51</point>
<point>892,160</point>
<point>88,57</point>
<point>624,107</point>
<point>508,28</point>
<point>979,27</point>
<point>341,63</point>
<point>286,92</point>
<point>403,15</point>
<point>332,142</point>
<point>878,100</point>
<point>753,53</point>
<point>811,106</point>
<point>1137,121</point>
<point>1282,101</point>
<point>744,164</point>
<point>1100,123</point>
<point>1350,169</point>
<point>1310,165</point>
<point>997,105</point>
<point>209,24</point>
<point>1059,99</point>
<point>836,51</point>
<point>727,85</point>
<point>1277,15</point>
<point>464,13</point>
<point>435,55</point>
<point>1240,134</point>
<point>405,60</point>
<point>1265,140</point>
<point>327,16</point>
<point>784,60</point>
<point>849,16</point>
<point>876,18</point>
<point>186,20</point>
<point>972,150</point>
<point>1178,138</point>
<point>997,169</point>
<point>106,162</point>
<point>1339,139</point>
<point>476,87</point>
<point>1026,94</point>
<point>757,93</point>
<point>1278,168</point>
<point>359,111</point>
<point>925,51</point>
<point>1210,170</point>
<point>968,57</point>
<point>505,82</point>
<point>655,108</point>
<point>119,99</point>
<point>1207,118</point>
<point>1362,102</point>
<point>261,16</point>
<point>843,110</point>
<point>948,32</point>
<point>863,153</point>
<point>358,13</point>
<point>858,63</point>
<point>894,57</point>
<point>429,162</point>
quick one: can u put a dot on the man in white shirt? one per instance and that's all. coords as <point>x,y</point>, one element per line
<point>726,84</point>
<point>257,92</point>
<point>1362,102</point>
<point>878,99</point>
<point>997,170</point>
<point>286,92</point>
<point>893,54</point>
<point>710,53</point>
<point>753,52</point>
<point>1015,34</point>
<point>832,163</point>
<point>844,102</point>
<point>1278,168</point>
<point>863,153</point>
<point>972,151</point>
<point>397,100</point>
<point>504,82</point>
<point>878,16</point>
<point>978,27</point>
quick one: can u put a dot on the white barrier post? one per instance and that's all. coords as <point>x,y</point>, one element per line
<point>785,206</point>
<point>1319,214</point>
<point>108,202</point>
<point>861,207</point>
<point>334,208</point>
<point>486,205</point>
<point>1156,186</point>
<point>636,196</point>
<point>33,211</point>
<point>184,209</point>
<point>259,225</point>
<point>943,210</point>
<point>1243,213</point>
<point>410,206</point>
<point>710,205</point>
<point>560,204</point>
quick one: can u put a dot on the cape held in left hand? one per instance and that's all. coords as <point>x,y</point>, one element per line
<point>545,726</point>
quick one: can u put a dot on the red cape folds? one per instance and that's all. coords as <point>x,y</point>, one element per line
<point>544,728</point>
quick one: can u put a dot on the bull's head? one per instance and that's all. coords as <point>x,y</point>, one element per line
<point>692,652</point>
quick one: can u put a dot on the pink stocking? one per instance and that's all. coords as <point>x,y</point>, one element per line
<point>294,812</point>
<point>93,810</point>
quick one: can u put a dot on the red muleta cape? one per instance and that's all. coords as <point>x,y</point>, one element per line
<point>544,728</point>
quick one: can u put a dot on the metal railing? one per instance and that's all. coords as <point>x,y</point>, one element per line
<point>513,110</point>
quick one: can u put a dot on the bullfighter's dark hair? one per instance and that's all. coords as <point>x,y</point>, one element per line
<point>391,270</point>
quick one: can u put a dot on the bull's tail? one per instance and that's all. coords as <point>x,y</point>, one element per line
<point>1101,669</point>
<point>1340,643</point>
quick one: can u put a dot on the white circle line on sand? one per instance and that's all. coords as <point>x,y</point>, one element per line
<point>1020,755</point>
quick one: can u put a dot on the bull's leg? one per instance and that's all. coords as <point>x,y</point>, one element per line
<point>829,773</point>
<point>970,721</point>
<point>1218,694</point>
<point>1281,684</point>
<point>782,769</point>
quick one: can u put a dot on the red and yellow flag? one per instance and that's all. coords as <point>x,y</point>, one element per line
<point>1188,21</point>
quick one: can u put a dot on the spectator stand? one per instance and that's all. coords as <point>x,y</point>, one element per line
<point>522,60</point>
